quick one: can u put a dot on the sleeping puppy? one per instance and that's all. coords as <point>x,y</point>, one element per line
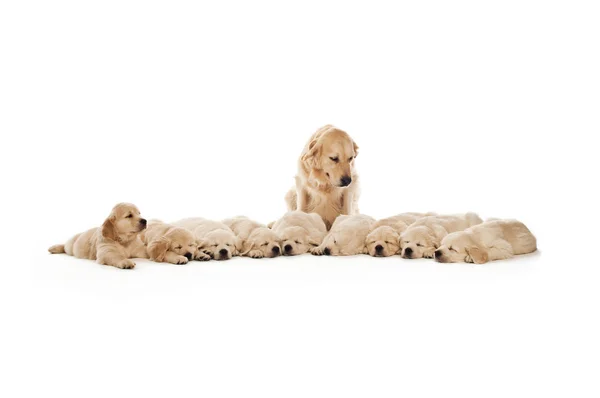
<point>299,232</point>
<point>169,244</point>
<point>258,240</point>
<point>114,243</point>
<point>425,235</point>
<point>214,238</point>
<point>492,240</point>
<point>326,182</point>
<point>384,238</point>
<point>346,237</point>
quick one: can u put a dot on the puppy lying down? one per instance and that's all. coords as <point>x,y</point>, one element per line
<point>425,235</point>
<point>347,236</point>
<point>213,238</point>
<point>114,243</point>
<point>166,243</point>
<point>384,237</point>
<point>492,240</point>
<point>299,232</point>
<point>258,240</point>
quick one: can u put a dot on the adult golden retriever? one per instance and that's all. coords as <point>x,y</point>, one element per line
<point>492,240</point>
<point>114,243</point>
<point>327,182</point>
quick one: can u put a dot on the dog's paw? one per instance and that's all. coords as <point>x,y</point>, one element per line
<point>180,260</point>
<point>316,251</point>
<point>125,264</point>
<point>469,259</point>
<point>201,256</point>
<point>255,254</point>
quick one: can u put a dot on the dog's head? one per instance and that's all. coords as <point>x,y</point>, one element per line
<point>418,242</point>
<point>177,240</point>
<point>123,224</point>
<point>298,240</point>
<point>460,246</point>
<point>383,242</point>
<point>330,158</point>
<point>220,244</point>
<point>262,239</point>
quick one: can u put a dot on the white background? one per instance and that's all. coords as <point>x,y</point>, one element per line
<point>201,109</point>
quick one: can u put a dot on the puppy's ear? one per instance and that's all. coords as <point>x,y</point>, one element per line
<point>478,255</point>
<point>157,249</point>
<point>355,148</point>
<point>365,250</point>
<point>239,245</point>
<point>311,157</point>
<point>245,247</point>
<point>108,229</point>
<point>315,238</point>
<point>438,233</point>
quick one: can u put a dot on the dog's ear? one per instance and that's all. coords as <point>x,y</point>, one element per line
<point>108,229</point>
<point>478,255</point>
<point>245,247</point>
<point>365,250</point>
<point>157,249</point>
<point>438,234</point>
<point>355,148</point>
<point>311,157</point>
<point>239,245</point>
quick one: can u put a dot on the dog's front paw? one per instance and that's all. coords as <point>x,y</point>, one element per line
<point>255,254</point>
<point>316,251</point>
<point>200,256</point>
<point>180,260</point>
<point>469,259</point>
<point>125,264</point>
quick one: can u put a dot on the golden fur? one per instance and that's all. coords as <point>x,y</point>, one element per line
<point>214,238</point>
<point>492,240</point>
<point>258,240</point>
<point>326,182</point>
<point>347,236</point>
<point>169,244</point>
<point>299,232</point>
<point>425,235</point>
<point>384,238</point>
<point>114,243</point>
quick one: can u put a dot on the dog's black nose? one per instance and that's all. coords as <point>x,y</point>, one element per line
<point>378,248</point>
<point>438,253</point>
<point>188,256</point>
<point>288,248</point>
<point>407,251</point>
<point>347,180</point>
<point>223,252</point>
<point>326,251</point>
<point>275,249</point>
<point>143,221</point>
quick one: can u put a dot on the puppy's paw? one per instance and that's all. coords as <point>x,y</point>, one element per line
<point>125,264</point>
<point>200,256</point>
<point>255,254</point>
<point>180,260</point>
<point>316,251</point>
<point>469,259</point>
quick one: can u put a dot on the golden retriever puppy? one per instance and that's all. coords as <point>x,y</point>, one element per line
<point>326,182</point>
<point>114,243</point>
<point>492,240</point>
<point>347,236</point>
<point>214,238</point>
<point>425,235</point>
<point>299,232</point>
<point>166,243</point>
<point>258,240</point>
<point>384,238</point>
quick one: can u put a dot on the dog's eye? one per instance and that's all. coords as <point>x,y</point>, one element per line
<point>451,249</point>
<point>178,248</point>
<point>129,216</point>
<point>297,242</point>
<point>419,245</point>
<point>335,159</point>
<point>351,159</point>
<point>265,244</point>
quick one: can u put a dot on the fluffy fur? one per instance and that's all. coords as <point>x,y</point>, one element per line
<point>213,238</point>
<point>492,240</point>
<point>299,232</point>
<point>384,238</point>
<point>114,243</point>
<point>425,235</point>
<point>326,182</point>
<point>347,236</point>
<point>258,240</point>
<point>166,243</point>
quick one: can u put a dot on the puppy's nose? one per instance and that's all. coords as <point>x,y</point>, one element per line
<point>188,256</point>
<point>408,251</point>
<point>143,221</point>
<point>378,248</point>
<point>327,252</point>
<point>346,180</point>
<point>223,252</point>
<point>438,253</point>
<point>275,249</point>
<point>288,248</point>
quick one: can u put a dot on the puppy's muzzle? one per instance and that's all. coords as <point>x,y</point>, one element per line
<point>288,249</point>
<point>143,223</point>
<point>223,254</point>
<point>188,256</point>
<point>407,252</point>
<point>327,251</point>
<point>379,249</point>
<point>275,250</point>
